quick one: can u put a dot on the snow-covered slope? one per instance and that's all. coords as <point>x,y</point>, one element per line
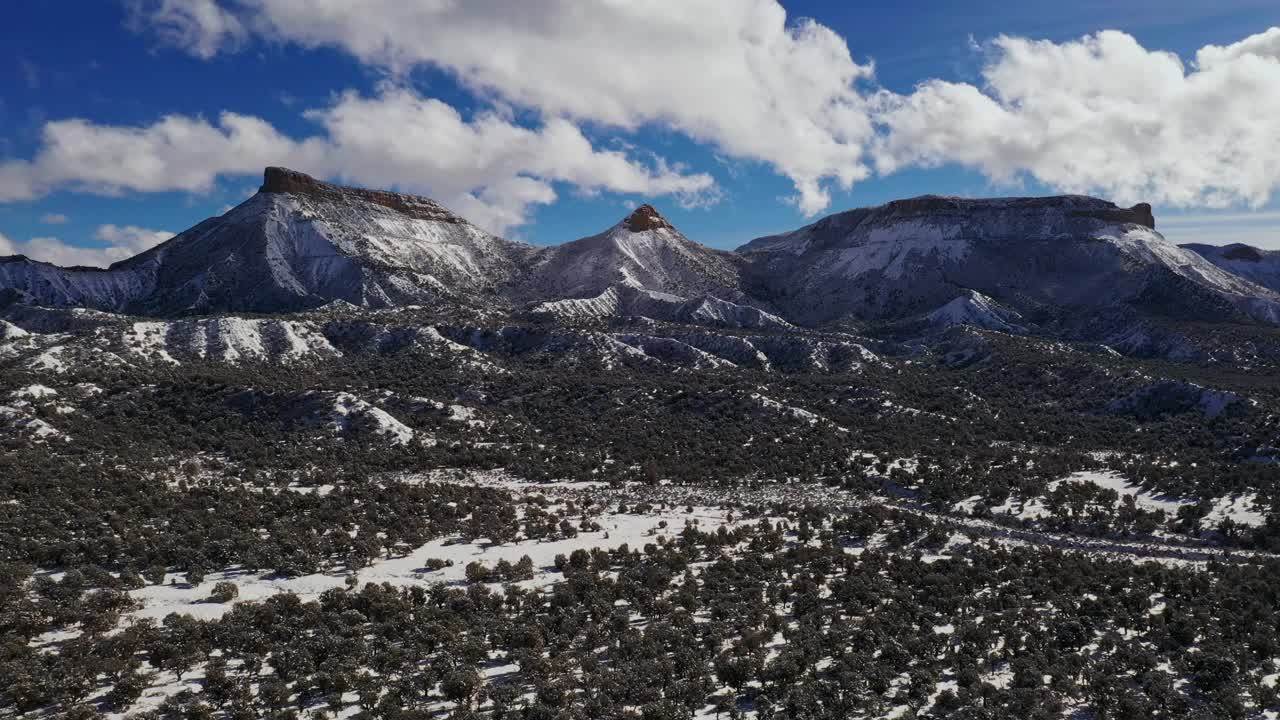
<point>692,348</point>
<point>298,243</point>
<point>1254,264</point>
<point>301,243</point>
<point>231,340</point>
<point>974,308</point>
<point>626,301</point>
<point>26,280</point>
<point>1069,265</point>
<point>349,415</point>
<point>53,341</point>
<point>644,252</point>
<point>1067,255</point>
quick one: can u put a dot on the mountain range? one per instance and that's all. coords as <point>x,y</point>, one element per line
<point>1069,266</point>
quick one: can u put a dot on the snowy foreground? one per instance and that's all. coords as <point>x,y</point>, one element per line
<point>409,570</point>
<point>639,516</point>
<point>663,523</point>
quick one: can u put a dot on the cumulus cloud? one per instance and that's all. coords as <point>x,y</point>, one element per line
<point>1104,115</point>
<point>201,27</point>
<point>54,219</point>
<point>486,167</point>
<point>1263,45</point>
<point>1101,114</point>
<point>736,75</point>
<point>175,153</point>
<point>115,243</point>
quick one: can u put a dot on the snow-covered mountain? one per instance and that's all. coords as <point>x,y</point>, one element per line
<point>1067,255</point>
<point>25,280</point>
<point>644,252</point>
<point>641,267</point>
<point>298,243</point>
<point>1251,263</point>
<point>973,308</point>
<point>1067,264</point>
<point>301,243</point>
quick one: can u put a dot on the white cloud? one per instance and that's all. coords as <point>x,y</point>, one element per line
<point>200,27</point>
<point>487,168</point>
<point>1101,114</point>
<point>175,153</point>
<point>1263,45</point>
<point>54,219</point>
<point>733,74</point>
<point>131,237</point>
<point>1104,115</point>
<point>117,243</point>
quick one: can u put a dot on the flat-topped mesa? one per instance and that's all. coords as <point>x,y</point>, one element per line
<point>646,217</point>
<point>1070,206</point>
<point>292,182</point>
<point>1139,214</point>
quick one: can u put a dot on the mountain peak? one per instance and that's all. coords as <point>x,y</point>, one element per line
<point>284,180</point>
<point>292,182</point>
<point>647,217</point>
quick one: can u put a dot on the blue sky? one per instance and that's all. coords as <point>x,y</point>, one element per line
<point>824,133</point>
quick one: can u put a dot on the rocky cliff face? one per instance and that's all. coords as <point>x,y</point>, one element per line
<point>646,218</point>
<point>300,185</point>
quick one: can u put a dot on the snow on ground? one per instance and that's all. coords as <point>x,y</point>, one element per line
<point>230,339</point>
<point>1122,485</point>
<point>1242,509</point>
<point>462,413</point>
<point>457,413</point>
<point>798,413</point>
<point>967,505</point>
<point>35,392</point>
<point>348,407</point>
<point>1030,509</point>
<point>21,419</point>
<point>150,339</point>
<point>50,360</point>
<point>9,331</point>
<point>634,530</point>
<point>974,308</point>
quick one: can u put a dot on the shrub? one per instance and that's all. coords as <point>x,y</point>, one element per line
<point>224,591</point>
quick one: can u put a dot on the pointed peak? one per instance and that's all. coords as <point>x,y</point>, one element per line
<point>646,217</point>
